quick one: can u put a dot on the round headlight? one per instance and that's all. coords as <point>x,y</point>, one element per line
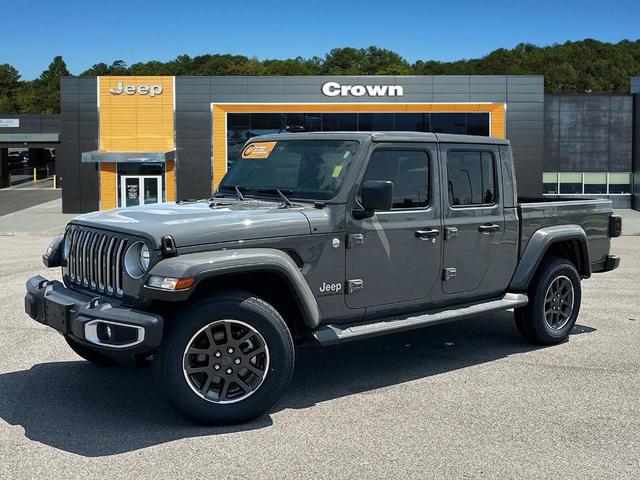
<point>136,260</point>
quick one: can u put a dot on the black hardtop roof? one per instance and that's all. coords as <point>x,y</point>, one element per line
<point>385,137</point>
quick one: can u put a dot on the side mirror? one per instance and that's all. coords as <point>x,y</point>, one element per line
<point>377,195</point>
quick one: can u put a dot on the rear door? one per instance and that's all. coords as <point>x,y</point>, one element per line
<point>473,217</point>
<point>394,257</point>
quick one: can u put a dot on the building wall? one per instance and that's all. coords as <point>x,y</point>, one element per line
<point>524,96</point>
<point>79,114</point>
<point>588,133</point>
<point>134,123</point>
<point>635,90</point>
<point>33,124</point>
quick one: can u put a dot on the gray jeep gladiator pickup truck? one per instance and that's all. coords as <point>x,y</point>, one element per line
<point>317,237</point>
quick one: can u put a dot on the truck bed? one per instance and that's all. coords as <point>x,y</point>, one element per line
<point>591,214</point>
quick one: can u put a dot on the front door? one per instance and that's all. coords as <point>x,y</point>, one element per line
<point>140,190</point>
<point>473,217</point>
<point>393,257</point>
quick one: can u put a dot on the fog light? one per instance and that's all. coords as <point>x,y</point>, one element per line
<point>169,283</point>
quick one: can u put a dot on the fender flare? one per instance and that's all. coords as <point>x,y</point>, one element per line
<point>205,265</point>
<point>537,247</point>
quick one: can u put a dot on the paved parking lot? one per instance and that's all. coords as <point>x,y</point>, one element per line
<point>463,400</point>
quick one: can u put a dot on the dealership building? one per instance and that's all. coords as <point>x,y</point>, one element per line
<point>123,141</point>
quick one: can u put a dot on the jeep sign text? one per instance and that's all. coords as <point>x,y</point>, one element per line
<point>151,90</point>
<point>334,89</point>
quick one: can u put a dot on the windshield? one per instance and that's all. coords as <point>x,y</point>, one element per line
<point>311,169</point>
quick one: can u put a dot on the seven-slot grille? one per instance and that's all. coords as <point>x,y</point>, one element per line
<point>95,260</point>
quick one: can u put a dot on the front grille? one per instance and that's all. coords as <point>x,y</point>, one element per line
<point>95,260</point>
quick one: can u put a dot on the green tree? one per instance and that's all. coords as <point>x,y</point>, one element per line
<point>583,66</point>
<point>9,85</point>
<point>49,85</point>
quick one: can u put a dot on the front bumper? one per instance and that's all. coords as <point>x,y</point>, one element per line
<point>114,330</point>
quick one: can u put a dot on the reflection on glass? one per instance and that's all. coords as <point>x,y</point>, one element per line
<point>151,190</point>
<point>595,183</point>
<point>303,122</point>
<point>302,169</point>
<point>243,126</point>
<point>619,183</point>
<point>267,123</point>
<point>470,178</point>
<point>375,122</point>
<point>411,122</point>
<point>570,182</point>
<point>477,124</point>
<point>339,122</point>
<point>408,170</point>
<point>550,183</point>
<point>449,123</point>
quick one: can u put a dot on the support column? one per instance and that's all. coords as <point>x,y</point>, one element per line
<point>4,168</point>
<point>37,161</point>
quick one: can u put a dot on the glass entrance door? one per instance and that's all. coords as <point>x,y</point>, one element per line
<point>140,190</point>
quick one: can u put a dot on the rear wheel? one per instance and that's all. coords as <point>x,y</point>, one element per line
<point>226,359</point>
<point>554,303</point>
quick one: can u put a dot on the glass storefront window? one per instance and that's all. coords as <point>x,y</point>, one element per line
<point>267,123</point>
<point>550,183</point>
<point>339,122</point>
<point>619,183</point>
<point>589,183</point>
<point>303,122</point>
<point>378,122</point>
<point>478,124</point>
<point>595,183</point>
<point>570,183</point>
<point>238,132</point>
<point>411,122</point>
<point>449,123</point>
<point>243,126</point>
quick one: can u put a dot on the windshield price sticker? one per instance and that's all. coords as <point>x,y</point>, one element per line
<point>258,150</point>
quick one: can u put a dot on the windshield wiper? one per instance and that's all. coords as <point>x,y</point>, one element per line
<point>279,192</point>
<point>238,193</point>
<point>238,189</point>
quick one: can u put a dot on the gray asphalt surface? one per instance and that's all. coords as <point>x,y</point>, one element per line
<point>14,200</point>
<point>463,400</point>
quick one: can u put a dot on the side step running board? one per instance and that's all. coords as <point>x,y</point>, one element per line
<point>330,334</point>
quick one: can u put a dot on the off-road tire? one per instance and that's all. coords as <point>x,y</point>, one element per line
<point>89,354</point>
<point>531,320</point>
<point>170,362</point>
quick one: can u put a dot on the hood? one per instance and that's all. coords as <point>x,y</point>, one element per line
<point>195,223</point>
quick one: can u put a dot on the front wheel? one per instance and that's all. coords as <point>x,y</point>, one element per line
<point>554,303</point>
<point>225,360</point>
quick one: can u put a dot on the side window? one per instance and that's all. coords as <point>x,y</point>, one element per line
<point>409,172</point>
<point>470,178</point>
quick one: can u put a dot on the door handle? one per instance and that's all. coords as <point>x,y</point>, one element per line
<point>424,234</point>
<point>489,228</point>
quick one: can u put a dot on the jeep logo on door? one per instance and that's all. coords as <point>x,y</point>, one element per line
<point>151,90</point>
<point>334,89</point>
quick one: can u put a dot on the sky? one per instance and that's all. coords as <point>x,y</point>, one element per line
<point>88,32</point>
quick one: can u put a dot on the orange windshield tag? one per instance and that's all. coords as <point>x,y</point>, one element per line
<point>258,150</point>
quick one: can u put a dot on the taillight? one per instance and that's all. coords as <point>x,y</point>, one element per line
<point>615,226</point>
